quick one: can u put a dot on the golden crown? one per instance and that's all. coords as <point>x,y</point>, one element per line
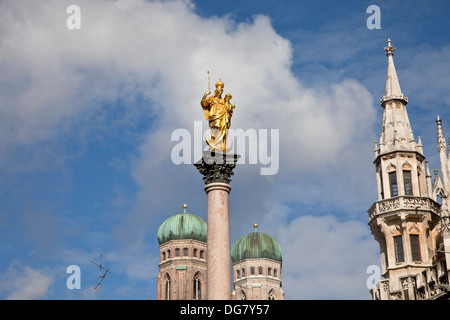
<point>219,83</point>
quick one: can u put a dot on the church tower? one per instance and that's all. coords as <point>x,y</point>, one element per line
<point>182,267</point>
<point>405,220</point>
<point>256,259</point>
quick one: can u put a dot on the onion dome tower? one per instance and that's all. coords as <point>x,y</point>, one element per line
<point>182,267</point>
<point>257,261</point>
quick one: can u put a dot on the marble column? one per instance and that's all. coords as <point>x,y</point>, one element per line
<point>217,168</point>
<point>218,259</point>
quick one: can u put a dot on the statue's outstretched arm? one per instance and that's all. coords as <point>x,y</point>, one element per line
<point>205,101</point>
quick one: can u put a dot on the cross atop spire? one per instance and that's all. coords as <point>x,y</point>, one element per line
<point>390,48</point>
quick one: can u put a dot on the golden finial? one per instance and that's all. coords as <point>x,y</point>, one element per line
<point>255,226</point>
<point>184,207</point>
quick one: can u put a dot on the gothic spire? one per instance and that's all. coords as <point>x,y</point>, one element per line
<point>396,134</point>
<point>393,90</point>
<point>442,146</point>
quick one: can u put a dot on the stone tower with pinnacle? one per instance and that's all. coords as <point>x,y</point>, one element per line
<point>406,218</point>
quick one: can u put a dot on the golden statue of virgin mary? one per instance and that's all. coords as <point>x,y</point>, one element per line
<point>218,112</point>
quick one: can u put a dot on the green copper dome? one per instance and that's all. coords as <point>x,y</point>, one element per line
<point>182,226</point>
<point>256,245</point>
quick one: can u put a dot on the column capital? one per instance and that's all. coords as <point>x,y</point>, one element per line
<point>216,166</point>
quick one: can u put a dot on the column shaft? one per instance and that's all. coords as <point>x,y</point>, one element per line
<point>218,254</point>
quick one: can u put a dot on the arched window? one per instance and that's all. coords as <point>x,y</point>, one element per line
<point>164,256</point>
<point>195,252</point>
<point>243,295</point>
<point>177,252</point>
<point>275,273</point>
<point>168,254</point>
<point>271,296</point>
<point>201,254</point>
<point>167,287</point>
<point>260,271</point>
<point>185,252</point>
<point>269,272</point>
<point>252,271</point>
<point>243,272</point>
<point>197,287</point>
<point>238,274</point>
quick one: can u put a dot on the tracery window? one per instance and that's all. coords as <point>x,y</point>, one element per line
<point>393,183</point>
<point>407,182</point>
<point>415,247</point>
<point>399,254</point>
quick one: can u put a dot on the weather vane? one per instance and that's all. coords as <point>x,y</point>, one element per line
<point>101,276</point>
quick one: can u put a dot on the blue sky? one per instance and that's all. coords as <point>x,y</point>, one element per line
<point>86,118</point>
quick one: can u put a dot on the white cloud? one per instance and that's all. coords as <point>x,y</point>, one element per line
<point>427,68</point>
<point>22,282</point>
<point>324,258</point>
